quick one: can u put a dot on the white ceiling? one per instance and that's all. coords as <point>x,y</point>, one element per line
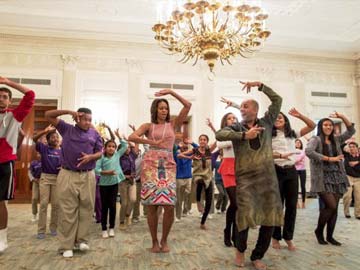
<point>306,26</point>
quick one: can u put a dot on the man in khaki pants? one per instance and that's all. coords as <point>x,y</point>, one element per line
<point>50,162</point>
<point>352,167</point>
<point>81,147</point>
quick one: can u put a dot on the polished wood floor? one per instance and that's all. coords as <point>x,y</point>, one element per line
<point>191,248</point>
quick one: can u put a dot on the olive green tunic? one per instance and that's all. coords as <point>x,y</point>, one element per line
<point>257,188</point>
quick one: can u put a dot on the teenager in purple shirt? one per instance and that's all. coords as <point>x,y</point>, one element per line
<point>81,147</point>
<point>50,161</point>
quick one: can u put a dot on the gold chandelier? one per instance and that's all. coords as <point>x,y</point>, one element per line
<point>212,31</point>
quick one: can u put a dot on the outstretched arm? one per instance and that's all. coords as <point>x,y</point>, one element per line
<point>14,85</point>
<point>310,125</point>
<point>350,130</point>
<point>179,120</point>
<point>210,125</point>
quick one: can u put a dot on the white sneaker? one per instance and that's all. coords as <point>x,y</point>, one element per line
<point>34,218</point>
<point>84,247</point>
<point>218,211</point>
<point>3,240</point>
<point>210,216</point>
<point>177,220</point>
<point>190,212</point>
<point>111,233</point>
<point>68,254</point>
<point>105,234</point>
<point>200,215</point>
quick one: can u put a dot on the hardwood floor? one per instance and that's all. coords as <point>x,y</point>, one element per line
<point>191,248</point>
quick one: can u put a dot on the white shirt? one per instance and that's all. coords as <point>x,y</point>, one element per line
<point>227,147</point>
<point>282,145</point>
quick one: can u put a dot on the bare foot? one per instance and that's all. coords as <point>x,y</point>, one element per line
<point>164,247</point>
<point>203,227</point>
<point>276,244</point>
<point>259,265</point>
<point>155,248</point>
<point>303,205</point>
<point>291,245</point>
<point>239,259</point>
<point>298,205</point>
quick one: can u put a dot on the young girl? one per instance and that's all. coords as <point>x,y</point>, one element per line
<point>300,168</point>
<point>227,171</point>
<point>202,174</point>
<point>108,167</point>
<point>328,177</point>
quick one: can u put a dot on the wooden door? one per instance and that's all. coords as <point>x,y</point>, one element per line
<point>33,123</point>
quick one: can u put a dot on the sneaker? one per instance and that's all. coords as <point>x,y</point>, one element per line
<point>105,234</point>
<point>127,221</point>
<point>135,220</point>
<point>111,233</point>
<point>190,212</point>
<point>184,214</point>
<point>200,215</point>
<point>210,216</point>
<point>53,233</point>
<point>40,236</point>
<point>84,247</point>
<point>218,211</point>
<point>34,218</point>
<point>177,220</point>
<point>122,226</point>
<point>68,254</point>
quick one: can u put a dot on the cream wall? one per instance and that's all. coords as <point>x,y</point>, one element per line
<point>118,73</point>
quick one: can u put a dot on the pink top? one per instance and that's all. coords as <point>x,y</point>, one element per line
<point>162,131</point>
<point>300,161</point>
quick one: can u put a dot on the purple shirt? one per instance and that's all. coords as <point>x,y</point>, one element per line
<point>76,141</point>
<point>127,163</point>
<point>50,158</point>
<point>35,168</point>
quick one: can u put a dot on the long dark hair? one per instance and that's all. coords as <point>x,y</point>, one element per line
<point>223,120</point>
<point>154,108</point>
<point>288,131</point>
<point>321,134</point>
<point>106,144</point>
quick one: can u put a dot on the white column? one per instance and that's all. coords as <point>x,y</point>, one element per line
<point>357,94</point>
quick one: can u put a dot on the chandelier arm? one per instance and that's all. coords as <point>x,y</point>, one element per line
<point>187,59</point>
<point>224,26</point>
<point>196,60</point>
<point>202,23</point>
<point>221,61</point>
<point>192,27</point>
<point>227,60</point>
<point>183,33</point>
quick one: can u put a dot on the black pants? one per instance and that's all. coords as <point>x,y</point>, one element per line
<point>302,177</point>
<point>231,214</point>
<point>208,197</point>
<point>288,185</point>
<point>108,205</point>
<point>328,204</point>
<point>262,243</point>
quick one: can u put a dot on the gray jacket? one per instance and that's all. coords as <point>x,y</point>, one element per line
<point>314,151</point>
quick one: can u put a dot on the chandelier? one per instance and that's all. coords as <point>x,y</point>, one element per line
<point>212,31</point>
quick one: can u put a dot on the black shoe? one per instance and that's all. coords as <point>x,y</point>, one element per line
<point>357,217</point>
<point>347,216</point>
<point>333,241</point>
<point>320,238</point>
<point>227,241</point>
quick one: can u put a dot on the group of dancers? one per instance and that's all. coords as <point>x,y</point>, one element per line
<point>261,158</point>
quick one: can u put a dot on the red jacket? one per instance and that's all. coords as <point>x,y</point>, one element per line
<point>10,123</point>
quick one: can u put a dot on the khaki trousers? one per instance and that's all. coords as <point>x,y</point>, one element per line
<point>354,185</point>
<point>47,188</point>
<point>127,189</point>
<point>183,190</point>
<point>35,197</point>
<point>136,210</point>
<point>76,199</point>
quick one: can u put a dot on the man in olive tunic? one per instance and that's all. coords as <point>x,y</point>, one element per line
<point>257,189</point>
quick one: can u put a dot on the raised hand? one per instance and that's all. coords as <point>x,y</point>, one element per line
<point>249,85</point>
<point>86,158</point>
<point>4,80</point>
<point>335,114</point>
<point>117,133</point>
<point>253,132</point>
<point>210,124</point>
<point>163,92</point>
<point>76,116</point>
<point>49,128</point>
<point>132,127</point>
<point>226,101</point>
<point>294,112</point>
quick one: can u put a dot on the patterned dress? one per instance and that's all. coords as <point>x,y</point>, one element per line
<point>158,175</point>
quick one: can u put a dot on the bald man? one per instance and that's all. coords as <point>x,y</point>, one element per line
<point>257,189</point>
